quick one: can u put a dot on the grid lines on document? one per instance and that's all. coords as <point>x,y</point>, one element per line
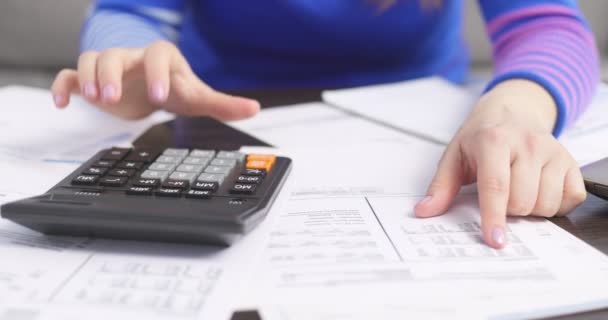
<point>171,288</point>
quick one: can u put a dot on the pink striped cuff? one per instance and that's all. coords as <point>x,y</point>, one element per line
<point>553,47</point>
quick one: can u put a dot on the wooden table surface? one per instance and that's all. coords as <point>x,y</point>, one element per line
<point>589,222</point>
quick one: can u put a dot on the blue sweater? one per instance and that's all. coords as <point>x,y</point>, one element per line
<point>238,44</point>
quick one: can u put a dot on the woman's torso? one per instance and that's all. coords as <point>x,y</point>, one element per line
<point>236,44</point>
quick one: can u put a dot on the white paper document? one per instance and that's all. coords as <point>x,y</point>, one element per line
<point>40,144</point>
<point>432,108</point>
<point>340,242</point>
<point>49,277</point>
<point>314,125</point>
<point>586,138</point>
<point>44,277</point>
<point>346,243</point>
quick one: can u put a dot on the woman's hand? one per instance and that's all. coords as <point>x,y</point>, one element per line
<point>132,83</point>
<point>506,147</point>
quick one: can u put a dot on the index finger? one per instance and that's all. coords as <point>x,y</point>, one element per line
<point>493,180</point>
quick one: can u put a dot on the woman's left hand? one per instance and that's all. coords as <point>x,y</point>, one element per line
<point>506,147</point>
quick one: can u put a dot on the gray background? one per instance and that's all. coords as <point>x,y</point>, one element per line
<point>38,37</point>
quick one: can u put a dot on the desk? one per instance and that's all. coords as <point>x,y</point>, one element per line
<point>589,222</point>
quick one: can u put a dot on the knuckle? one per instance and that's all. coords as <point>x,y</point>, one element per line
<point>519,207</point>
<point>162,45</point>
<point>493,135</point>
<point>64,73</point>
<point>576,196</point>
<point>110,54</point>
<point>493,185</point>
<point>546,208</point>
<point>88,54</point>
<point>533,142</point>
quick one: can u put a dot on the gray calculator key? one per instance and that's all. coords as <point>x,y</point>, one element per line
<point>198,153</point>
<point>238,156</point>
<point>197,161</point>
<point>151,174</point>
<point>189,176</point>
<point>190,168</point>
<point>176,152</point>
<point>162,166</point>
<point>211,177</point>
<point>169,159</point>
<point>218,169</point>
<point>224,162</point>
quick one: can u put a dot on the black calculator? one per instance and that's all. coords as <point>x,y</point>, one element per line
<point>174,195</point>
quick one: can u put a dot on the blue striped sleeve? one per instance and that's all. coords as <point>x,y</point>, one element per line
<point>132,24</point>
<point>548,42</point>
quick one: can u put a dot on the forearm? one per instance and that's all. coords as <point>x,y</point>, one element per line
<point>549,44</point>
<point>128,25</point>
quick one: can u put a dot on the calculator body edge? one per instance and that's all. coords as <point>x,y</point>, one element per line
<point>97,212</point>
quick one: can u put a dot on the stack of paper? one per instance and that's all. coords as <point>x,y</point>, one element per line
<point>341,241</point>
<point>433,109</point>
<point>347,244</point>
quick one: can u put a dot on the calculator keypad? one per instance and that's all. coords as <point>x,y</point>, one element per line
<point>194,174</point>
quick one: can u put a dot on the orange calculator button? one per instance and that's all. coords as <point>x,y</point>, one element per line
<point>262,157</point>
<point>259,164</point>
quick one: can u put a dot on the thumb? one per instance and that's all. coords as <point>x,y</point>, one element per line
<point>444,186</point>
<point>202,100</point>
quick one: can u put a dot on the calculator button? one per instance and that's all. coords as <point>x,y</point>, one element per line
<point>188,176</point>
<point>197,161</point>
<point>142,156</point>
<point>211,177</point>
<point>224,162</point>
<point>259,164</point>
<point>85,180</point>
<point>142,182</point>
<point>203,185</point>
<point>130,165</point>
<point>176,152</point>
<point>168,192</point>
<point>121,172</point>
<point>238,156</point>
<point>190,168</point>
<point>139,191</point>
<point>202,153</point>
<point>176,184</point>
<point>254,172</point>
<point>104,163</point>
<point>218,169</point>
<point>249,179</point>
<point>96,171</point>
<point>198,194</point>
<point>151,174</point>
<point>242,188</point>
<point>115,154</point>
<point>157,166</point>
<point>112,181</point>
<point>262,157</point>
<point>169,159</point>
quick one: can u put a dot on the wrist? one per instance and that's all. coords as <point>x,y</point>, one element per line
<point>523,101</point>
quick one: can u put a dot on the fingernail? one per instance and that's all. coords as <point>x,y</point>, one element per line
<point>425,200</point>
<point>498,236</point>
<point>90,90</point>
<point>108,92</point>
<point>158,92</point>
<point>59,100</point>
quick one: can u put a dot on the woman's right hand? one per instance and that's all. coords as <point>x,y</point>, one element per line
<point>133,83</point>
